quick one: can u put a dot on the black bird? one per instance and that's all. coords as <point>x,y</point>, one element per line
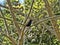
<point>29,23</point>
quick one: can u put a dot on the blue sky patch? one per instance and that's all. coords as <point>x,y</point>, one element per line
<point>2,2</point>
<point>21,1</point>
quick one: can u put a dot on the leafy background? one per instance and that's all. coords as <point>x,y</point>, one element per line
<point>40,32</point>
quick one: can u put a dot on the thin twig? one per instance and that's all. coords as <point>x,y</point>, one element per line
<point>42,20</point>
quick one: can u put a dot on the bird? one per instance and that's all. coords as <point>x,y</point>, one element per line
<point>29,23</point>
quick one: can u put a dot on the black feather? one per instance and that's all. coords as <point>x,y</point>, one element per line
<point>29,23</point>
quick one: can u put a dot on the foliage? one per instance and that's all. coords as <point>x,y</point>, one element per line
<point>40,32</point>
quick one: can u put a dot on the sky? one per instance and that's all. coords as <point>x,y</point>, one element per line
<point>2,2</point>
<point>21,1</point>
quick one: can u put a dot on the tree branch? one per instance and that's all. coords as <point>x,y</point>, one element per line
<point>11,20</point>
<point>29,11</point>
<point>14,17</point>
<point>53,21</point>
<point>4,21</point>
<point>7,33</point>
<point>7,7</point>
<point>22,14</point>
<point>22,34</point>
<point>42,20</point>
<point>11,39</point>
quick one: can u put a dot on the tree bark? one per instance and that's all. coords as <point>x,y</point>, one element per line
<point>21,40</point>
